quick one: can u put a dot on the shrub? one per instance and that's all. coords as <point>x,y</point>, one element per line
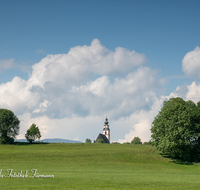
<point>100,141</point>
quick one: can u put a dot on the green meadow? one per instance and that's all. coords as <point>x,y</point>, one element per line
<point>95,166</point>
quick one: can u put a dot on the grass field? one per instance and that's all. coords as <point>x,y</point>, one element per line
<point>95,166</point>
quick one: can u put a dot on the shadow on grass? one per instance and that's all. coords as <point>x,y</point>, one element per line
<point>176,161</point>
<point>27,143</point>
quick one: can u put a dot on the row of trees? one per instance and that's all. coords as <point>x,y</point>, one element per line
<point>9,128</point>
<point>136,140</point>
<point>98,141</point>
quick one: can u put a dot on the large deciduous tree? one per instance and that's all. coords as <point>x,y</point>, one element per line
<point>9,126</point>
<point>176,129</point>
<point>33,133</point>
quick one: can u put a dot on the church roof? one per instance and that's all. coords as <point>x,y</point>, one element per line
<point>101,136</point>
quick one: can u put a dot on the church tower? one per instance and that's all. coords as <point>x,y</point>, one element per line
<point>106,130</point>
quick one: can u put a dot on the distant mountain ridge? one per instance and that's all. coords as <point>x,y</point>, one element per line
<point>55,140</point>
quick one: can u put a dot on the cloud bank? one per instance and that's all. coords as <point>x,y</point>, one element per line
<point>69,95</point>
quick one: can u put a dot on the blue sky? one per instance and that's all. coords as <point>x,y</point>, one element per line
<point>160,32</point>
<point>163,30</point>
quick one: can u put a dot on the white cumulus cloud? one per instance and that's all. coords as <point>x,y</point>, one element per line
<point>67,95</point>
<point>140,122</point>
<point>191,63</point>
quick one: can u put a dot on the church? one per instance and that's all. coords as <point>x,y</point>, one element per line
<point>106,133</point>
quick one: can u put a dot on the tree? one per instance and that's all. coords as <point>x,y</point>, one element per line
<point>136,140</point>
<point>33,133</point>
<point>88,141</point>
<point>176,129</point>
<point>9,126</point>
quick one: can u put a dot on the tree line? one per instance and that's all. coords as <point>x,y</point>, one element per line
<point>136,140</point>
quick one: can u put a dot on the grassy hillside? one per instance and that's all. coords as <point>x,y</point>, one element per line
<point>95,166</point>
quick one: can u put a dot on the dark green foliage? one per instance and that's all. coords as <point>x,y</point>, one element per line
<point>150,142</point>
<point>6,140</point>
<point>33,133</point>
<point>136,140</point>
<point>176,129</point>
<point>126,143</point>
<point>88,141</point>
<point>100,141</point>
<point>145,143</point>
<point>9,126</point>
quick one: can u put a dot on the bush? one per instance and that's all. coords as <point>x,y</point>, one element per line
<point>6,140</point>
<point>126,143</point>
<point>100,141</point>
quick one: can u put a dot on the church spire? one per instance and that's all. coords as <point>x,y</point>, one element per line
<point>106,121</point>
<point>106,130</point>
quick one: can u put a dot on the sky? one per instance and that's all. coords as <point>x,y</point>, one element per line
<point>66,64</point>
